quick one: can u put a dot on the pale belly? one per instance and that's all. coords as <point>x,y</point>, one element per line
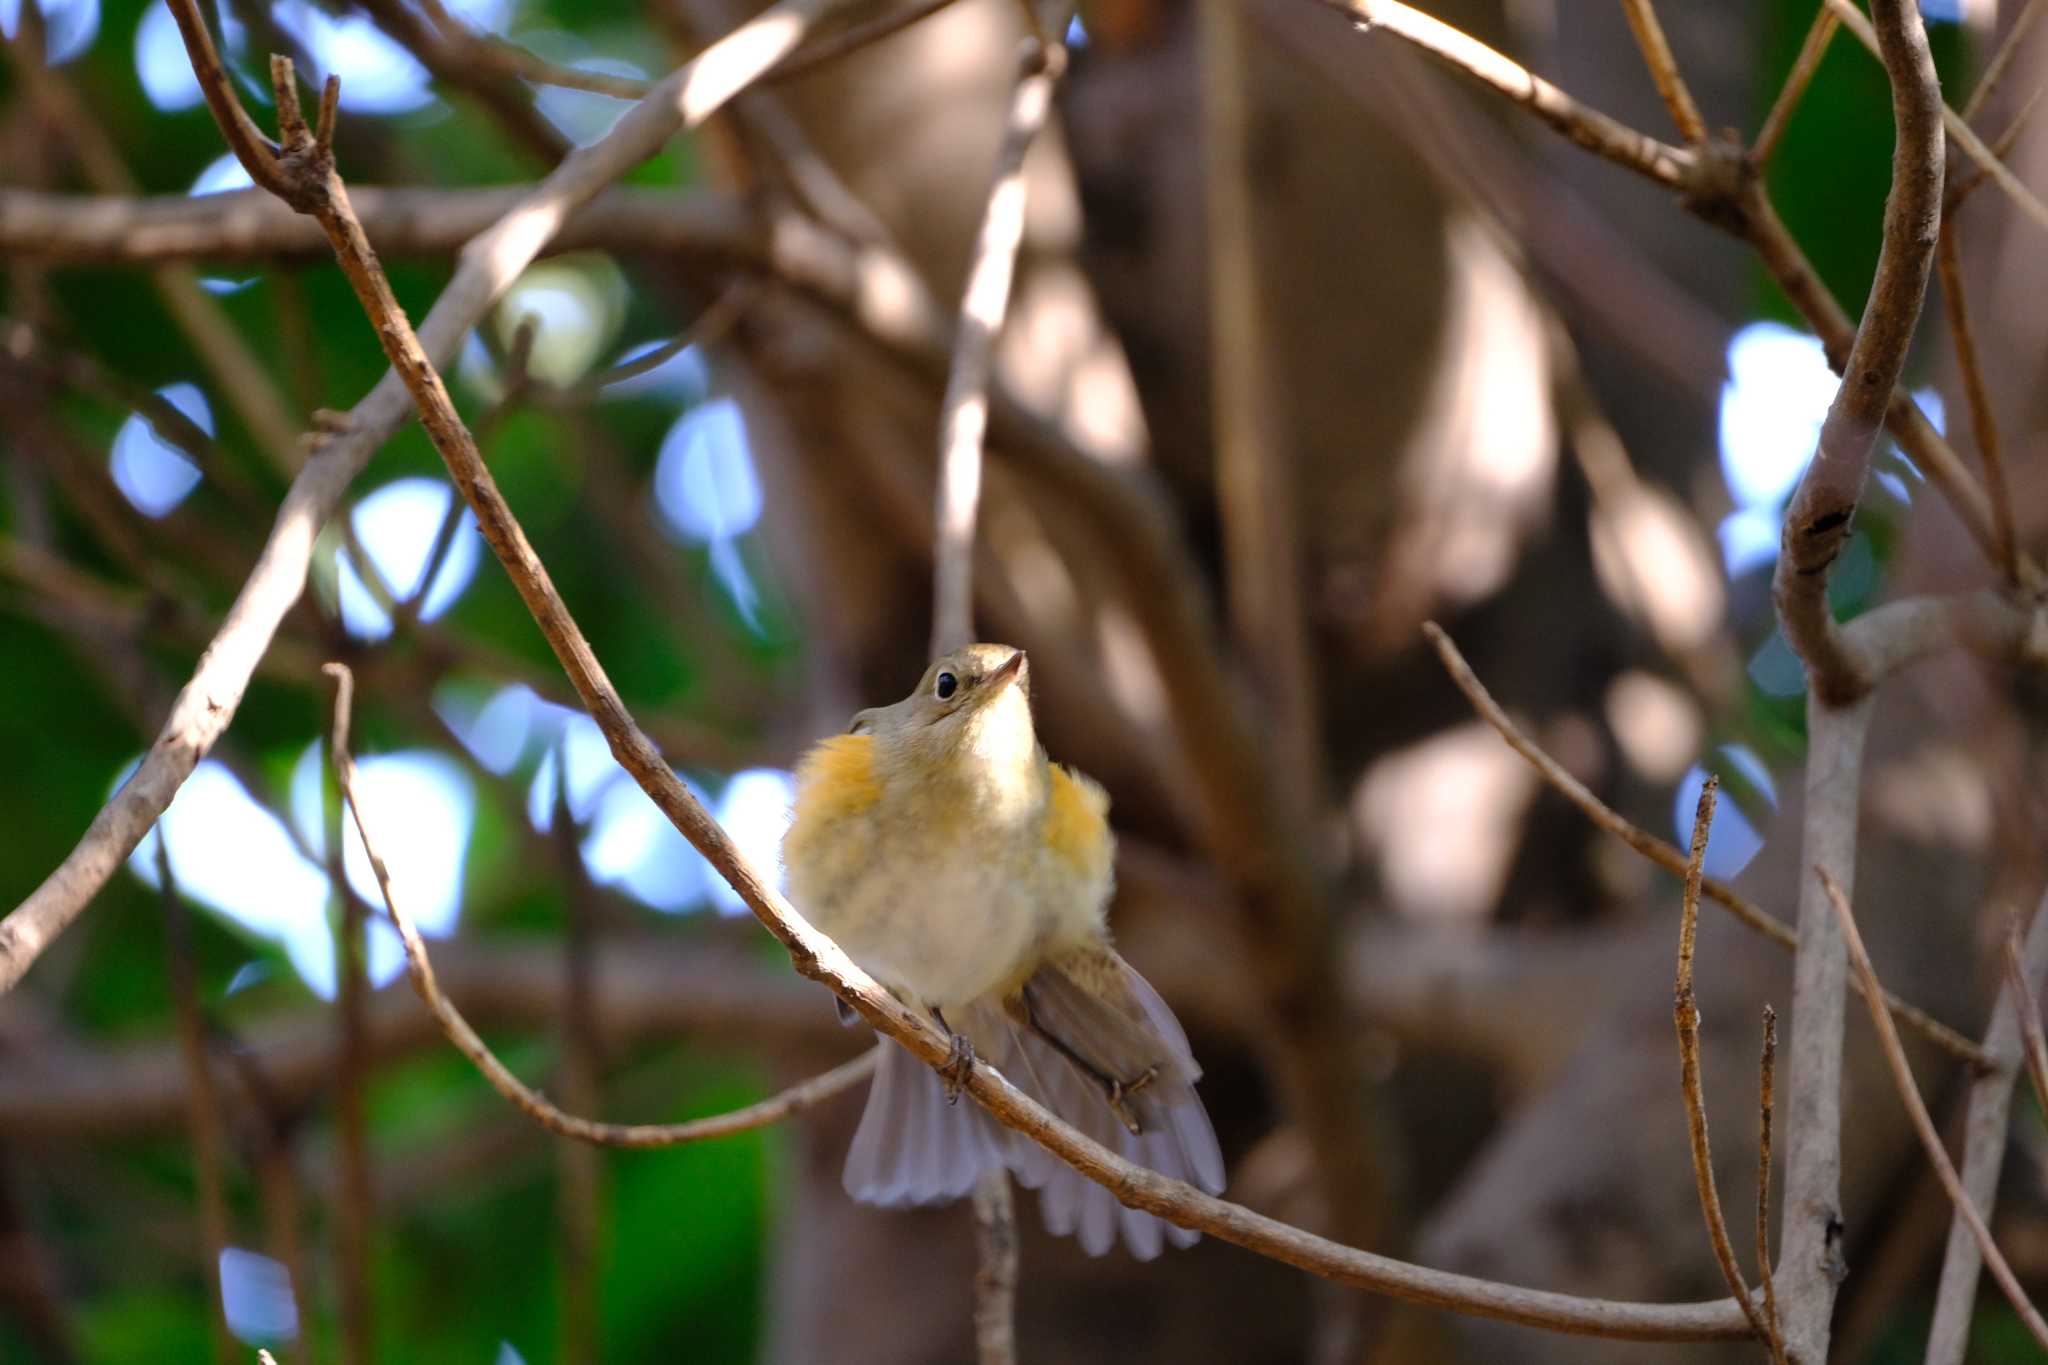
<point>944,929</point>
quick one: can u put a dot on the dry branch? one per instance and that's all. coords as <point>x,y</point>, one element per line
<point>1671,87</point>
<point>1923,1123</point>
<point>1685,1013</point>
<point>963,412</point>
<point>1793,90</point>
<point>2008,1039</point>
<point>1819,518</point>
<point>1663,854</point>
<point>995,1275</point>
<point>529,1101</point>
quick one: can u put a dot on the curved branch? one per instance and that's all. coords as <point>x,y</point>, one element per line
<point>1817,523</point>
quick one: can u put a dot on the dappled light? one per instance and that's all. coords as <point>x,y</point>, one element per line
<point>152,473</point>
<point>398,527</point>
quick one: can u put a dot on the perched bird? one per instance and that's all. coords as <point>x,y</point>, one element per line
<point>937,845</point>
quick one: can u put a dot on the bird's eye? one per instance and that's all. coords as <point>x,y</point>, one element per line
<point>945,686</point>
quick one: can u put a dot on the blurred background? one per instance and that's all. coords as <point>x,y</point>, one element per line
<point>1505,386</point>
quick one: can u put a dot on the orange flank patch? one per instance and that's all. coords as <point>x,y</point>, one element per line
<point>1077,822</point>
<point>837,778</point>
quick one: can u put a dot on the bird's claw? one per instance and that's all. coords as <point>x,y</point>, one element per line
<point>1119,1091</point>
<point>959,1062</point>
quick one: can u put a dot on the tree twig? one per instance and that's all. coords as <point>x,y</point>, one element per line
<point>2000,60</point>
<point>1923,1124</point>
<point>1663,854</point>
<point>2036,1052</point>
<point>1671,87</point>
<point>1987,1133</point>
<point>1685,1013</point>
<point>1767,1070</point>
<point>1983,422</point>
<point>995,1274</point>
<point>1589,128</point>
<point>529,1101</point>
<point>963,413</point>
<point>1793,90</point>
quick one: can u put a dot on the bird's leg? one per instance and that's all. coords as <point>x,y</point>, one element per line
<point>1114,1089</point>
<point>960,1060</point>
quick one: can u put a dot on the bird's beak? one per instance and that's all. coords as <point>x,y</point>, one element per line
<point>1011,670</point>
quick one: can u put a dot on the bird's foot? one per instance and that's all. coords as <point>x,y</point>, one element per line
<point>1119,1091</point>
<point>959,1060</point>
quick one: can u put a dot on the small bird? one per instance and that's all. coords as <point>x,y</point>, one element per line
<point>941,849</point>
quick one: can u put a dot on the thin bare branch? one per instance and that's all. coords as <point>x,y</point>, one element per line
<point>1671,88</point>
<point>1818,520</point>
<point>1685,1013</point>
<point>853,38</point>
<point>1767,1070</point>
<point>963,413</point>
<point>1983,422</point>
<point>489,263</point>
<point>2000,149</point>
<point>1811,1265</point>
<point>995,1274</point>
<point>2000,60</point>
<point>1589,128</point>
<point>1793,90</point>
<point>529,1101</point>
<point>2036,1052</point>
<point>1923,1123</point>
<point>1658,851</point>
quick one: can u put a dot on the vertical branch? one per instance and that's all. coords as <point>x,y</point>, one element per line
<point>1685,1013</point>
<point>352,1152</point>
<point>202,1108</point>
<point>1811,1268</point>
<point>1986,1132</point>
<point>1767,1070</point>
<point>1255,472</point>
<point>963,414</point>
<point>1818,521</point>
<point>995,1276</point>
<point>1923,1122</point>
<point>1817,524</point>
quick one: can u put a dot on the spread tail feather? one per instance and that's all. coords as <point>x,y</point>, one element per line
<point>913,1148</point>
